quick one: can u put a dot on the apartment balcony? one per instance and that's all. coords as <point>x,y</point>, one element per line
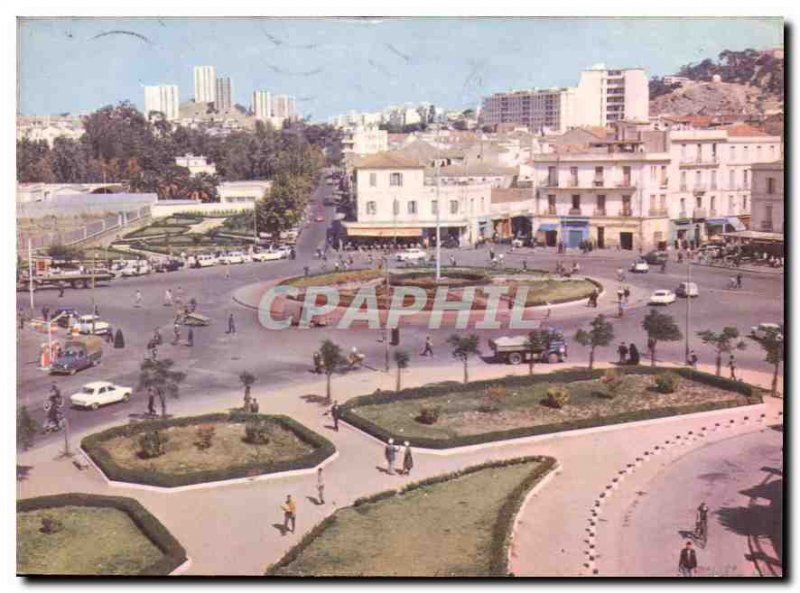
<point>574,212</point>
<point>551,211</point>
<point>664,183</point>
<point>699,189</point>
<point>626,212</point>
<point>683,214</point>
<point>657,212</point>
<point>599,212</point>
<point>699,213</point>
<point>598,182</point>
<point>699,162</point>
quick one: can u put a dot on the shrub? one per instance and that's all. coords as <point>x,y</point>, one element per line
<point>496,393</point>
<point>557,397</point>
<point>612,379</point>
<point>51,525</point>
<point>666,382</point>
<point>256,432</point>
<point>152,444</point>
<point>205,436</point>
<point>428,414</point>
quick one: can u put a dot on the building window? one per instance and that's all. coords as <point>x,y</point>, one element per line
<point>412,207</point>
<point>552,177</point>
<point>396,179</point>
<point>663,175</point>
<point>733,154</point>
<point>683,208</point>
<point>434,207</point>
<point>758,154</point>
<point>766,223</point>
<point>573,176</point>
<point>601,205</point>
<point>626,206</point>
<point>730,205</point>
<point>744,204</point>
<point>744,179</point>
<point>699,157</point>
<point>373,179</point>
<point>653,172</point>
<point>713,204</point>
<point>453,206</point>
<point>683,152</point>
<point>372,208</point>
<point>698,202</point>
<point>683,180</point>
<point>746,151</point>
<point>551,204</point>
<point>698,179</point>
<point>626,176</point>
<point>770,185</point>
<point>731,179</point>
<point>772,152</point>
<point>662,203</point>
<point>652,201</point>
<point>713,180</point>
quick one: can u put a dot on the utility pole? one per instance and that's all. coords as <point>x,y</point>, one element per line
<point>438,220</point>
<point>386,330</point>
<point>688,304</point>
<point>30,273</point>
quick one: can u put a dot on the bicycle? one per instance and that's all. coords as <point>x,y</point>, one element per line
<point>701,531</point>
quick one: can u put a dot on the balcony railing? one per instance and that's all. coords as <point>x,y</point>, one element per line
<point>658,212</point>
<point>551,211</point>
<point>551,183</point>
<point>574,211</point>
<point>599,211</point>
<point>699,213</point>
<point>699,188</point>
<point>626,212</point>
<point>624,183</point>
<point>598,182</point>
<point>699,162</point>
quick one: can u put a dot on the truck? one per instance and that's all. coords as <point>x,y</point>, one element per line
<point>515,350</point>
<point>71,278</point>
<point>78,354</point>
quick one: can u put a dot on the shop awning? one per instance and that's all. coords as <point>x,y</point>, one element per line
<point>383,232</point>
<point>548,226</point>
<point>736,223</point>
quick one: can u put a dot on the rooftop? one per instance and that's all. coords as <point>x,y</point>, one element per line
<point>387,160</point>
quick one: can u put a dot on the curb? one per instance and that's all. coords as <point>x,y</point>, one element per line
<point>557,467</point>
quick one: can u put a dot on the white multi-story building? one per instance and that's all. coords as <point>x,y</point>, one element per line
<point>196,164</point>
<point>205,84</point>
<point>262,105</point>
<point>283,107</point>
<point>362,140</point>
<point>47,128</point>
<point>223,94</point>
<point>547,110</point>
<point>162,98</point>
<point>767,197</point>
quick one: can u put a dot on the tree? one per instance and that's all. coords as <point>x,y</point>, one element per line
<point>157,376</point>
<point>401,359</point>
<point>463,348</point>
<point>331,357</point>
<point>26,429</point>
<point>660,327</point>
<point>536,342</point>
<point>723,342</point>
<point>247,379</point>
<point>600,334</point>
<point>772,344</point>
<point>64,252</point>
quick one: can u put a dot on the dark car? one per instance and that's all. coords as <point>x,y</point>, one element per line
<point>656,257</point>
<point>68,314</point>
<point>170,265</point>
<point>78,354</point>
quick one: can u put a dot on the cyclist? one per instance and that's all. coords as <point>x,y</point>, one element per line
<point>701,528</point>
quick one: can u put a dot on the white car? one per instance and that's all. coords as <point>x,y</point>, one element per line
<point>84,323</point>
<point>759,332</point>
<point>414,254</point>
<point>136,269</point>
<point>206,260</point>
<point>640,267</point>
<point>99,393</point>
<point>232,257</point>
<point>687,289</point>
<point>662,297</point>
<point>283,250</point>
<point>267,255</point>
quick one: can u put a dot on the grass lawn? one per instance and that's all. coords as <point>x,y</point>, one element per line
<point>335,278</point>
<point>94,541</point>
<point>182,456</point>
<point>153,230</point>
<point>520,406</point>
<point>442,529</point>
<point>557,291</point>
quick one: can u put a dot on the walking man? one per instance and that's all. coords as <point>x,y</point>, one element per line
<point>137,299</point>
<point>289,513</point>
<point>688,561</point>
<point>390,452</point>
<point>627,294</point>
<point>334,412</point>
<point>320,487</point>
<point>60,289</point>
<point>693,359</point>
<point>231,325</point>
<point>408,459</point>
<point>168,298</point>
<point>732,366</point>
<point>176,333</point>
<point>622,350</point>
<point>190,338</point>
<point>428,349</point>
<point>151,403</point>
<point>739,280</point>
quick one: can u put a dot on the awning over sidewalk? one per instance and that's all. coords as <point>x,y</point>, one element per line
<point>548,226</point>
<point>737,224</point>
<point>716,221</point>
<point>383,232</point>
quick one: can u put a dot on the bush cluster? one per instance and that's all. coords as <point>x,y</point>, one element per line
<point>205,436</point>
<point>557,397</point>
<point>428,414</point>
<point>151,444</point>
<point>612,379</point>
<point>666,382</point>
<point>256,432</point>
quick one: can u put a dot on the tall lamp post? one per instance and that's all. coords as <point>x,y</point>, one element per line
<point>688,304</point>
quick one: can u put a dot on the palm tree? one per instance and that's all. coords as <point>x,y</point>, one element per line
<point>247,379</point>
<point>463,348</point>
<point>331,357</point>
<point>158,376</point>
<point>401,359</point>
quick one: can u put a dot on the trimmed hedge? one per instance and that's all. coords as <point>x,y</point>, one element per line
<point>93,446</point>
<point>174,553</point>
<point>347,413</point>
<point>501,531</point>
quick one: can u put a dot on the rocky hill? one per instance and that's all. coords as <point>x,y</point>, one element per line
<point>748,82</point>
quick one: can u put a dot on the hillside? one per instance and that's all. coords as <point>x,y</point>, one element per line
<point>748,82</point>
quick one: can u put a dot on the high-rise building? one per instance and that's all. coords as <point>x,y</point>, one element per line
<point>262,105</point>
<point>205,84</point>
<point>223,94</point>
<point>539,110</point>
<point>280,106</point>
<point>162,98</point>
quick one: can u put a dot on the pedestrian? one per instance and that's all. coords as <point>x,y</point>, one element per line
<point>692,359</point>
<point>620,309</point>
<point>525,264</point>
<point>254,406</point>
<point>334,412</point>
<point>408,459</point>
<point>620,294</point>
<point>491,254</point>
<point>46,313</point>
<point>627,294</point>
<point>390,452</point>
<point>305,271</point>
<point>688,561</point>
<point>739,280</point>
<point>151,402</point>
<point>428,349</point>
<point>227,272</point>
<point>231,325</point>
<point>320,487</point>
<point>20,320</point>
<point>96,310</point>
<point>137,299</point>
<point>176,333</point>
<point>60,289</point>
<point>289,513</point>
<point>633,355</point>
<point>622,350</point>
<point>168,298</point>
<point>190,338</point>
<point>179,294</point>
<point>548,311</point>
<point>192,305</point>
<point>732,366</point>
<point>595,296</point>
<point>452,260</point>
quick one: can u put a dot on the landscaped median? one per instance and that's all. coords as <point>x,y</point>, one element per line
<point>455,525</point>
<point>441,416</point>
<point>86,534</point>
<point>209,448</point>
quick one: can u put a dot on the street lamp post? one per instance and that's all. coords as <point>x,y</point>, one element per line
<point>386,330</point>
<point>688,304</point>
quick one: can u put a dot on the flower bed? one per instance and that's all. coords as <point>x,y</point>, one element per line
<point>291,446</point>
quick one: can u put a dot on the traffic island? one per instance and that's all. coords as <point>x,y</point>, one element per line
<point>205,449</point>
<point>443,416</point>
<point>86,534</point>
<point>456,525</point>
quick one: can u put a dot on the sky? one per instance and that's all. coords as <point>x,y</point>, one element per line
<point>77,65</point>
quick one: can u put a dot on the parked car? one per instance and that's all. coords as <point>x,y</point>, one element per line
<point>66,316</point>
<point>640,267</point>
<point>515,349</point>
<point>169,265</point>
<point>662,297</point>
<point>91,324</point>
<point>78,354</point>
<point>319,218</point>
<point>138,268</point>
<point>266,255</point>
<point>759,332</point>
<point>655,258</point>
<point>206,260</point>
<point>232,257</point>
<point>413,254</point>
<point>687,289</point>
<point>99,393</point>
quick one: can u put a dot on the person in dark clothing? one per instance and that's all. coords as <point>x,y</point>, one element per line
<point>687,562</point>
<point>693,359</point>
<point>231,325</point>
<point>622,350</point>
<point>428,349</point>
<point>60,289</point>
<point>151,403</point>
<point>334,412</point>
<point>633,355</point>
<point>254,406</point>
<point>190,338</point>
<point>732,366</point>
<point>739,280</point>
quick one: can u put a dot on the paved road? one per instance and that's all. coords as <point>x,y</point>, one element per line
<point>282,358</point>
<point>739,478</point>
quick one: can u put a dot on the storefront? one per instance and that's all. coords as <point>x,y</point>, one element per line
<point>574,231</point>
<point>547,234</point>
